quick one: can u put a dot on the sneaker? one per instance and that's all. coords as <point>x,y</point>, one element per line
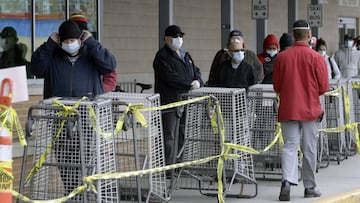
<point>312,192</point>
<point>285,191</point>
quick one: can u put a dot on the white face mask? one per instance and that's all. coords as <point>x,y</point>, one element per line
<point>177,42</point>
<point>238,56</point>
<point>322,52</point>
<point>349,43</point>
<point>72,48</point>
<point>271,52</point>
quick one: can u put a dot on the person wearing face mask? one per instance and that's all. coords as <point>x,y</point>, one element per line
<point>270,50</point>
<point>235,36</point>
<point>332,67</point>
<point>235,72</point>
<point>348,58</point>
<point>175,73</point>
<point>13,53</point>
<point>299,78</point>
<point>72,63</point>
<point>109,80</point>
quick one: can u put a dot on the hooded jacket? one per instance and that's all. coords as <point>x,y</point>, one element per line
<point>64,78</point>
<point>348,60</point>
<point>269,40</point>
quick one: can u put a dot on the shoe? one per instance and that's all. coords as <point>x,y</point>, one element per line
<point>285,191</point>
<point>312,192</point>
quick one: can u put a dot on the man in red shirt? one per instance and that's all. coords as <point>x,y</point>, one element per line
<point>299,77</point>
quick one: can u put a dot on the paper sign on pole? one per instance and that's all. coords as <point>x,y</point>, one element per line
<point>18,76</point>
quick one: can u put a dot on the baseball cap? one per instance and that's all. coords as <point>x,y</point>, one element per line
<point>173,30</point>
<point>8,32</point>
<point>236,33</point>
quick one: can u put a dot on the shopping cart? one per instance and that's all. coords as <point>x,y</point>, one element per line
<point>323,155</point>
<point>65,147</point>
<point>262,107</point>
<point>334,111</point>
<point>202,141</point>
<point>353,90</point>
<point>138,148</point>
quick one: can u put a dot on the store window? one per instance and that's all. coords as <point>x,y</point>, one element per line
<point>48,15</point>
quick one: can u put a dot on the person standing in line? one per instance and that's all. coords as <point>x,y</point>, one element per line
<point>286,41</point>
<point>13,53</point>
<point>222,55</point>
<point>109,80</point>
<point>300,77</point>
<point>235,72</point>
<point>348,58</point>
<point>332,67</point>
<point>72,63</point>
<point>270,50</point>
<point>175,73</point>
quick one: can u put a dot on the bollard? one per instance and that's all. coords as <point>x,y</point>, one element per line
<point>6,183</point>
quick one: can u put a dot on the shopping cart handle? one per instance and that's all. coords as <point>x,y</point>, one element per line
<point>144,86</point>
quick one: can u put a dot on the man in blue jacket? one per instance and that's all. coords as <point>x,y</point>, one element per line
<point>71,63</point>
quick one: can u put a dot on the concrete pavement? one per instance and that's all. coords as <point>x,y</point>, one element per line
<point>333,180</point>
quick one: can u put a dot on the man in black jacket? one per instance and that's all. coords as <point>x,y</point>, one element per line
<point>175,73</point>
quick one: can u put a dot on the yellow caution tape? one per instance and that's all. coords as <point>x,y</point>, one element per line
<point>334,93</point>
<point>355,85</point>
<point>76,191</point>
<point>93,122</point>
<point>351,126</point>
<point>3,171</point>
<point>346,105</point>
<point>8,119</point>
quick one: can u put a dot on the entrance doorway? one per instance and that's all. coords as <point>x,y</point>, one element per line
<point>347,25</point>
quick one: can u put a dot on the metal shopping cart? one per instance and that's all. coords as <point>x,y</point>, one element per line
<point>334,111</point>
<point>262,107</point>
<point>67,145</point>
<point>138,147</point>
<point>201,141</point>
<point>353,93</point>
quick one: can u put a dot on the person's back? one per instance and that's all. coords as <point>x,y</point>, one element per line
<point>300,77</point>
<point>348,58</point>
<point>297,71</point>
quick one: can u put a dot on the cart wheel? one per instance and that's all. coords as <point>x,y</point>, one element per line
<point>70,129</point>
<point>29,127</point>
<point>338,158</point>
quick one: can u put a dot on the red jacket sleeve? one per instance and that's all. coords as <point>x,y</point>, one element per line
<point>110,81</point>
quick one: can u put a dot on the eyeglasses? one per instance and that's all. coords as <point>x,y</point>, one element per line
<point>179,35</point>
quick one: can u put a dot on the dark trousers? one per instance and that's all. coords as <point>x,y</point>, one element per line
<point>169,122</point>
